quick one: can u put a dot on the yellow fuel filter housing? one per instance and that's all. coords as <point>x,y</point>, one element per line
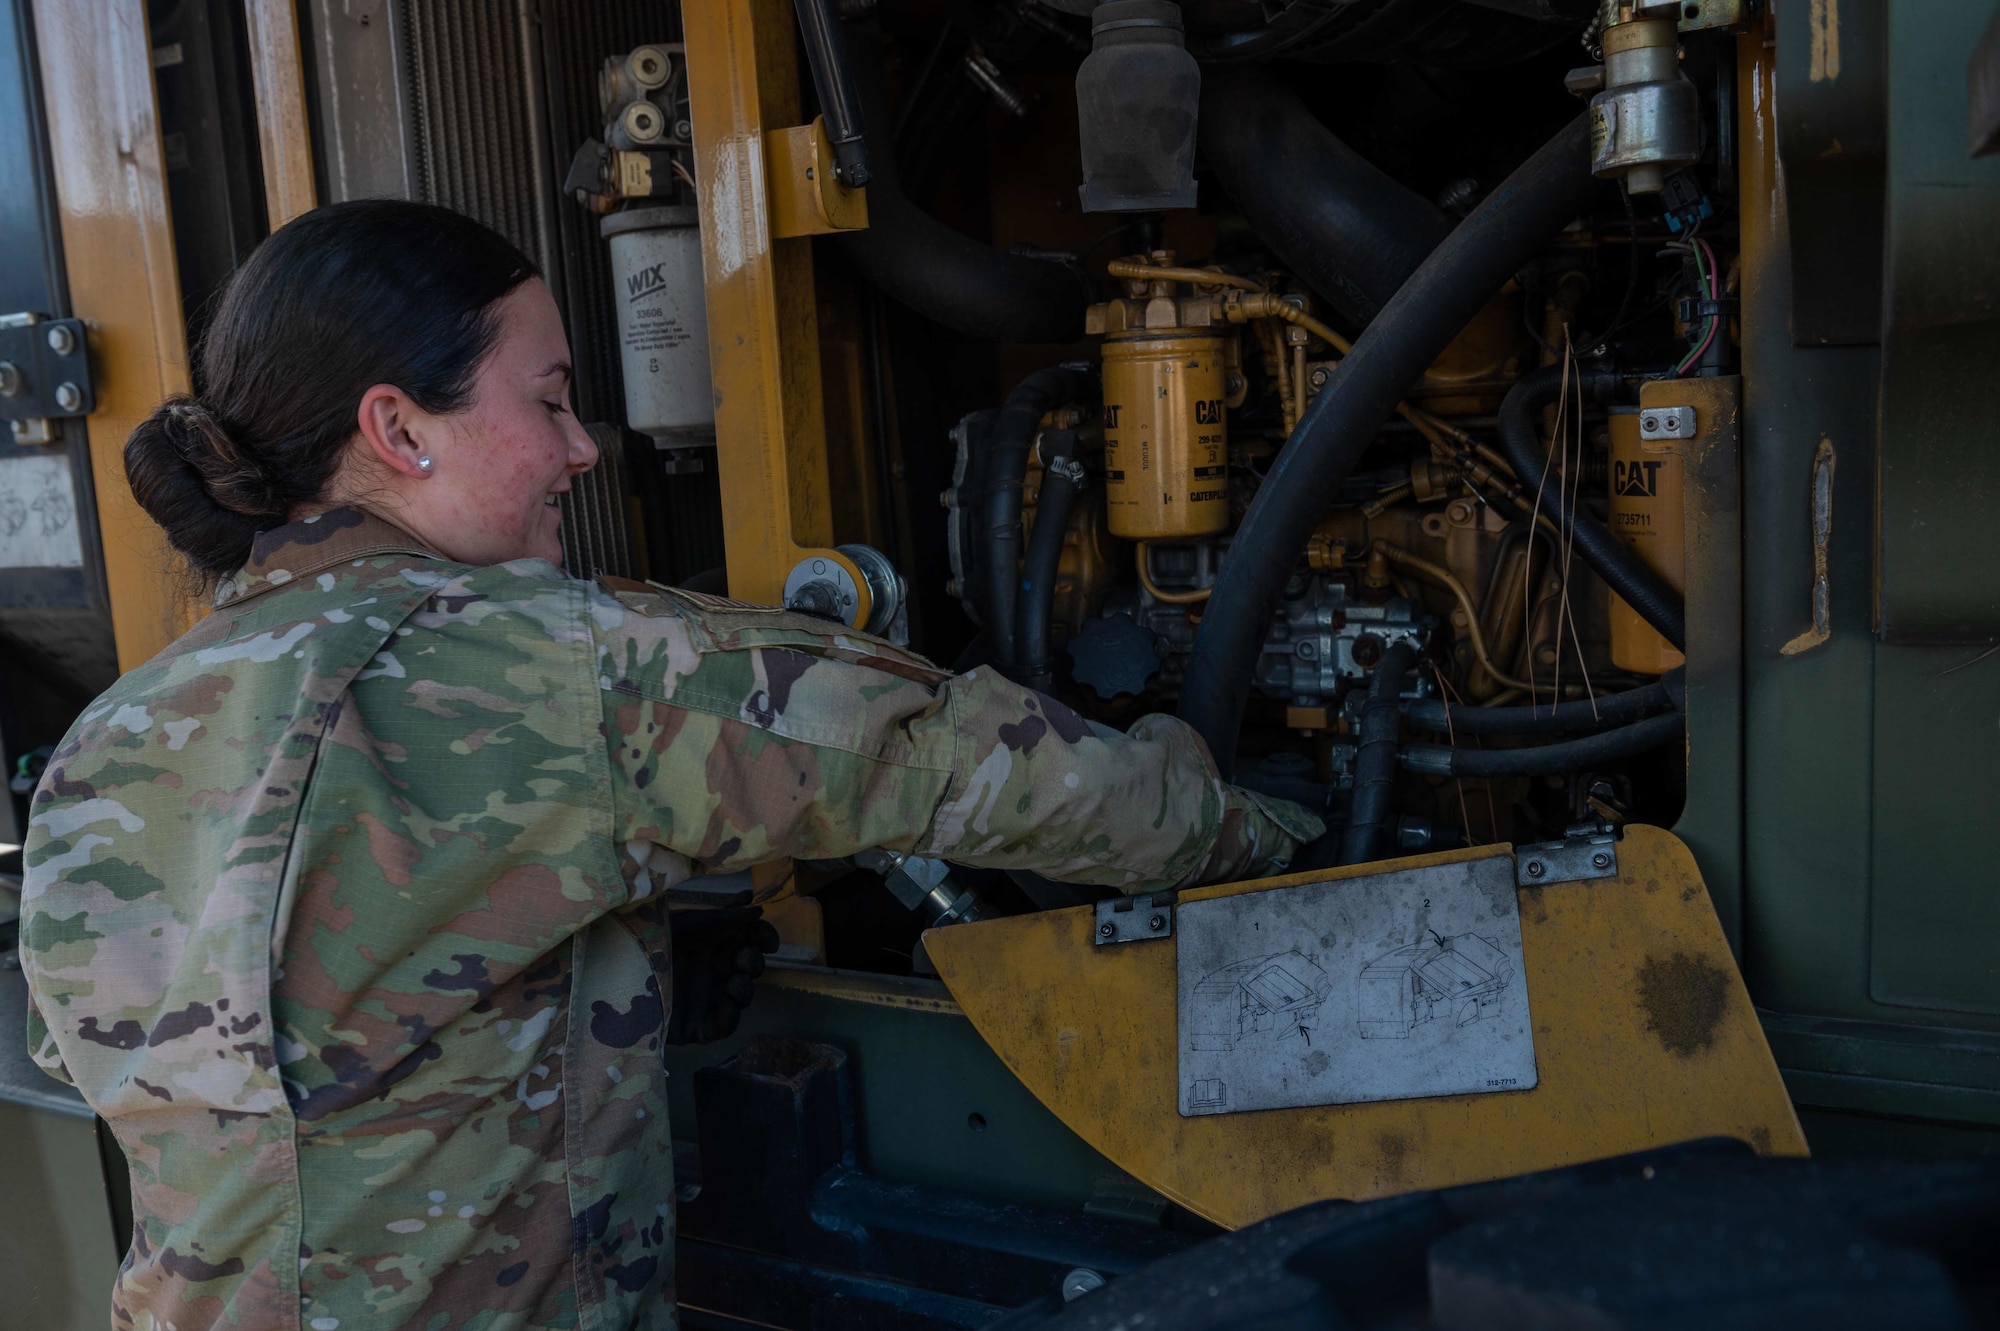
<point>1645,514</point>
<point>1166,449</point>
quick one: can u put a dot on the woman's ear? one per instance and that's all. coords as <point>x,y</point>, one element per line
<point>391,423</point>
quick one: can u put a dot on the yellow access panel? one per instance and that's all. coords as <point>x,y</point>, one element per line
<point>1643,1036</point>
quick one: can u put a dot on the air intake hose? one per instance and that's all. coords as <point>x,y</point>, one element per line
<point>1350,231</point>
<point>949,278</point>
<point>1451,287</point>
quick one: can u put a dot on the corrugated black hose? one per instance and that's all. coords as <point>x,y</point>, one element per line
<point>1380,727</point>
<point>1007,466</point>
<point>1034,609</point>
<point>1452,286</point>
<point>1624,572</point>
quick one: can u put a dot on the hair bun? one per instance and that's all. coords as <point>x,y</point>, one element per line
<point>192,424</point>
<point>192,478</point>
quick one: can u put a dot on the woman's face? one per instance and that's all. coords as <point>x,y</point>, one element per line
<point>498,465</point>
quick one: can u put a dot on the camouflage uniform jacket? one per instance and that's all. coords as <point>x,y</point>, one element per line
<point>346,911</point>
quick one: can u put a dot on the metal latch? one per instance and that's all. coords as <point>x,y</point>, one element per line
<point>1577,858</point>
<point>44,375</point>
<point>1135,919</point>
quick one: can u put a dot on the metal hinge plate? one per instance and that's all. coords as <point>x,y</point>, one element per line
<point>1574,859</point>
<point>1134,919</point>
<point>44,369</point>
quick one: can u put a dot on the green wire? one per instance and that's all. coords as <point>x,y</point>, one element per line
<point>1701,272</point>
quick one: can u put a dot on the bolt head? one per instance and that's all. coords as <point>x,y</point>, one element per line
<point>10,379</point>
<point>61,340</point>
<point>69,397</point>
<point>1601,860</point>
<point>1105,930</point>
<point>1157,923</point>
<point>1536,868</point>
<point>1319,378</point>
<point>644,122</point>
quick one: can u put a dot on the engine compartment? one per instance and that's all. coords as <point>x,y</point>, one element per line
<point>1345,463</point>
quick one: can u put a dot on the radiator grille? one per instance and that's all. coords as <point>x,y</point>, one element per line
<point>596,530</point>
<point>472,113</point>
<point>469,101</point>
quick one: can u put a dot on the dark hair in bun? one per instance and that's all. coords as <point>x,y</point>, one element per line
<point>377,291</point>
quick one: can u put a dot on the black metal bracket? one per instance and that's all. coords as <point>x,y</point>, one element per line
<point>44,369</point>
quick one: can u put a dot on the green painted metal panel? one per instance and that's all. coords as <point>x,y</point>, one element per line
<point>920,1078</point>
<point>1936,906</point>
<point>1940,474</point>
<point>1870,776</point>
<point>58,1258</point>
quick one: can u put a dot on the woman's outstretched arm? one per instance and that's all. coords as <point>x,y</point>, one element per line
<point>740,734</point>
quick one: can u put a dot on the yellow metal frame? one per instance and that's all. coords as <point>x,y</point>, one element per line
<point>758,210</point>
<point>280,86</point>
<point>1644,1036</point>
<point>118,244</point>
<point>806,198</point>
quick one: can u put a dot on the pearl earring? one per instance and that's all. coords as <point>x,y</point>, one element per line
<point>424,464</point>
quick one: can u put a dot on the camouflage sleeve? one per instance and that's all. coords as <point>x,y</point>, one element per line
<point>1035,786</point>
<point>742,735</point>
<point>42,1045</point>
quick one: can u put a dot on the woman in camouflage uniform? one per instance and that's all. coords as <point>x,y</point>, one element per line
<point>347,911</point>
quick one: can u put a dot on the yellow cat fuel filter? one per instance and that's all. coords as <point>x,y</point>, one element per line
<point>1166,451</point>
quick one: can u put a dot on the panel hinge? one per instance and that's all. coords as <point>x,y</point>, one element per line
<point>1135,919</point>
<point>44,375</point>
<point>1589,851</point>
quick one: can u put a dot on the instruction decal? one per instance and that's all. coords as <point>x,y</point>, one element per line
<point>1391,987</point>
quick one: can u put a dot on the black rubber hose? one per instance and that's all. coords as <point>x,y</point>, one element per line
<point>1546,759</point>
<point>1452,286</point>
<point>1006,467</point>
<point>1034,605</point>
<point>1351,232</point>
<point>1624,572</point>
<point>948,278</point>
<point>1379,727</point>
<point>1612,709</point>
